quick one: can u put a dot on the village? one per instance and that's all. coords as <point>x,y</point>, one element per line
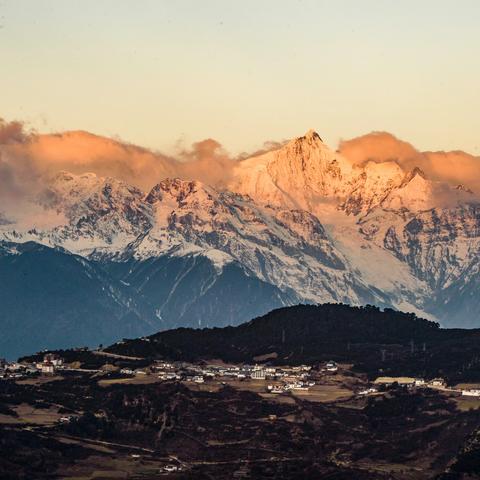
<point>291,378</point>
<point>274,380</point>
<point>19,370</point>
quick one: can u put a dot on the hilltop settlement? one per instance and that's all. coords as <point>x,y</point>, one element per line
<point>276,379</point>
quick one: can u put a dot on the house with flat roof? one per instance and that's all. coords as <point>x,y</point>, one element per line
<point>402,381</point>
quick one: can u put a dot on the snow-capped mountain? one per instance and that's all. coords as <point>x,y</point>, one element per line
<point>300,223</point>
<point>106,220</point>
<point>307,174</point>
<point>377,213</point>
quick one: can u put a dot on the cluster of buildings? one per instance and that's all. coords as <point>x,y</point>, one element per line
<point>295,376</point>
<point>330,367</point>
<point>407,382</point>
<point>410,382</point>
<point>51,363</point>
<point>14,370</point>
<point>290,386</point>
<point>471,392</point>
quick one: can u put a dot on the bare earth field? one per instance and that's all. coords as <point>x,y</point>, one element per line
<point>133,427</point>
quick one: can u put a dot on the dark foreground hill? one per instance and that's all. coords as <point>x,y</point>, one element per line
<point>373,340</point>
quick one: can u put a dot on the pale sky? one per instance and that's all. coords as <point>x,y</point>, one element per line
<point>243,72</point>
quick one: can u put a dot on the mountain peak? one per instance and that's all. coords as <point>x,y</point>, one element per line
<point>311,137</point>
<point>177,188</point>
<point>309,146</point>
<point>414,173</point>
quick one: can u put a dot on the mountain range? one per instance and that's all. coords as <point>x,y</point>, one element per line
<point>94,259</point>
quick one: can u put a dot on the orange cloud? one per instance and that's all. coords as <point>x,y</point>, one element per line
<point>452,167</point>
<point>206,161</point>
<point>11,132</point>
<point>27,158</point>
<point>81,152</point>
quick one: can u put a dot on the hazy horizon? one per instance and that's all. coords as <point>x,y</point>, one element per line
<point>164,73</point>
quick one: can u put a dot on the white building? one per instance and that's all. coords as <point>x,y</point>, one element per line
<point>402,381</point>
<point>48,368</point>
<point>368,391</point>
<point>471,393</point>
<point>331,366</point>
<point>258,374</point>
<point>299,386</point>
<point>53,358</point>
<point>437,382</point>
<point>277,389</point>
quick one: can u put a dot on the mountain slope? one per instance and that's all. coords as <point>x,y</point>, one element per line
<point>191,291</point>
<point>51,298</point>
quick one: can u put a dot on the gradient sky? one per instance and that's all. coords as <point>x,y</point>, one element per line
<point>243,72</point>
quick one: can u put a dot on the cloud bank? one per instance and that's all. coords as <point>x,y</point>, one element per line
<point>27,159</point>
<point>454,167</point>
